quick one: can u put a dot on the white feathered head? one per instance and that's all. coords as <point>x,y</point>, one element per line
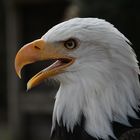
<point>97,70</point>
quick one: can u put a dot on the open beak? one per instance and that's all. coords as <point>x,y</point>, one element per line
<point>40,50</point>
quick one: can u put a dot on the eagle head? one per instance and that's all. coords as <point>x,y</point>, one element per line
<point>97,70</point>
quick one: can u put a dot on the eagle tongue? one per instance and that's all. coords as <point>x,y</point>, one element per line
<point>57,63</point>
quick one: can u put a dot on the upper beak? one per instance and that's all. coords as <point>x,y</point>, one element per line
<point>39,50</point>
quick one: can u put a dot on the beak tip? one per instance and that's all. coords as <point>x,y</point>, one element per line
<point>29,86</point>
<point>18,70</point>
<point>27,89</point>
<point>19,74</point>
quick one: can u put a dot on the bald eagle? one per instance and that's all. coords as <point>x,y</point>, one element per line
<point>98,73</point>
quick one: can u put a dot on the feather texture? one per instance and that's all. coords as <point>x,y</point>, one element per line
<point>103,82</point>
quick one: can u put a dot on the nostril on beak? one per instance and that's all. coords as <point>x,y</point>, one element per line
<point>37,48</point>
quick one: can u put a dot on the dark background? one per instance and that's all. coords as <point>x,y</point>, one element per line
<point>28,116</point>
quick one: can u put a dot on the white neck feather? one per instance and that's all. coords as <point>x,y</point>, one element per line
<point>103,94</point>
<point>103,82</point>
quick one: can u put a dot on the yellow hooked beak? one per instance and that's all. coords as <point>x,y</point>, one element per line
<point>40,50</point>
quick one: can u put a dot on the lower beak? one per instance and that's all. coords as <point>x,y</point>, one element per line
<point>40,50</point>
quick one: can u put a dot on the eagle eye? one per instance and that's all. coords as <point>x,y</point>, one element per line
<point>70,44</point>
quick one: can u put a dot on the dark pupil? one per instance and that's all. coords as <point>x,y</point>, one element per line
<point>70,44</point>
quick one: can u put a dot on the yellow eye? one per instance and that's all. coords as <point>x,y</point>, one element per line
<point>70,44</point>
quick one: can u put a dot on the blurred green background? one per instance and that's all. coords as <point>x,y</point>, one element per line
<point>28,116</point>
